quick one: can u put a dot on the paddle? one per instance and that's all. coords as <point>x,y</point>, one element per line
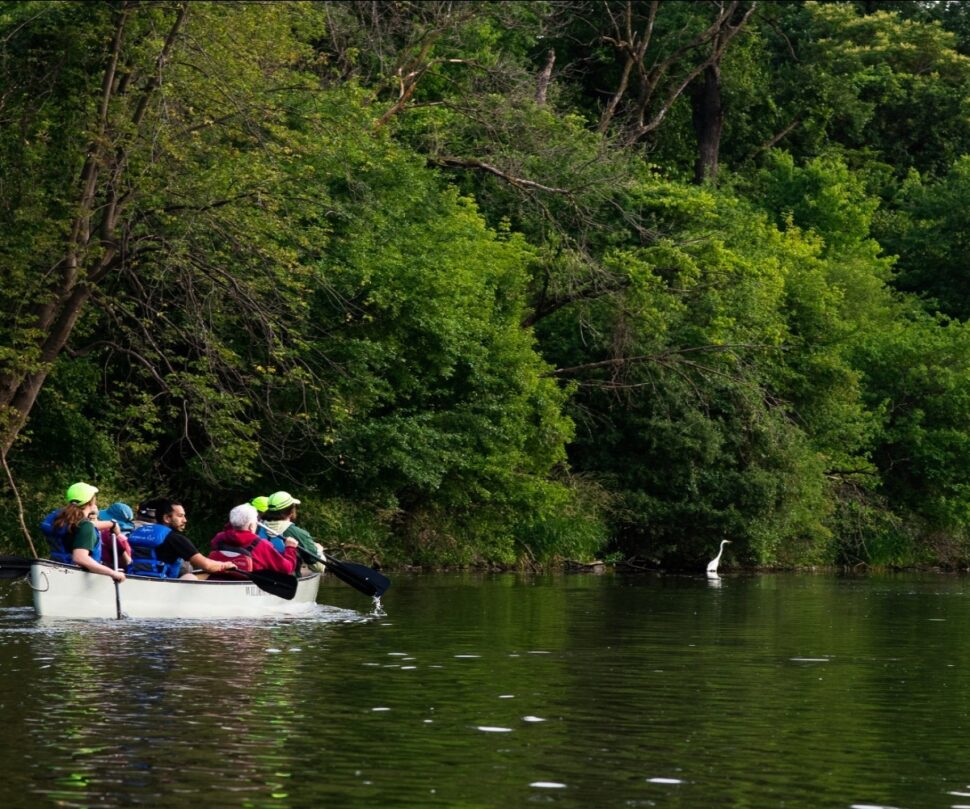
<point>282,585</point>
<point>14,567</point>
<point>366,579</point>
<point>114,548</point>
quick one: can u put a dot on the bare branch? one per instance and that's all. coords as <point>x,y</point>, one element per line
<point>546,307</point>
<point>212,205</point>
<point>521,182</point>
<point>721,33</point>
<point>774,139</point>
<point>635,49</point>
<point>20,503</point>
<point>663,355</point>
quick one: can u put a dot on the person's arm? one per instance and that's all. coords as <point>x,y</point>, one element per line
<point>289,555</point>
<point>207,565</point>
<point>182,547</point>
<point>266,557</point>
<point>285,562</point>
<point>302,536</point>
<point>105,525</point>
<point>124,546</point>
<point>82,558</point>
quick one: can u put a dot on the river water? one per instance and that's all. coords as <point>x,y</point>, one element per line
<point>505,690</point>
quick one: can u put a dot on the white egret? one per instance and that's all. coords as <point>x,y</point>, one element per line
<point>712,565</point>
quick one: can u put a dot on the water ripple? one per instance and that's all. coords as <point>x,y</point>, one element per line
<point>776,690</point>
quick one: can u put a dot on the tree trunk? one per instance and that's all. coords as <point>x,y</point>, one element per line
<point>91,248</point>
<point>21,394</point>
<point>708,116</point>
<point>542,86</point>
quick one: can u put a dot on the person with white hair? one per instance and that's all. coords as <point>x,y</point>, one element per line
<point>238,543</point>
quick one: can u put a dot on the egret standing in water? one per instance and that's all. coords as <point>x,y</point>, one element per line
<point>712,565</point>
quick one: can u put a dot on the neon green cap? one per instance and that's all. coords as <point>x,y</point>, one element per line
<point>80,493</point>
<point>280,500</point>
<point>260,503</point>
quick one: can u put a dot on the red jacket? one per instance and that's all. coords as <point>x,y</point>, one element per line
<point>250,552</point>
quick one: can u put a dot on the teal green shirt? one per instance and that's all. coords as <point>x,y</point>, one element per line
<point>303,537</point>
<point>86,536</point>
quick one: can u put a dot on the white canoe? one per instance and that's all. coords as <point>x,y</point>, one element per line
<point>66,591</point>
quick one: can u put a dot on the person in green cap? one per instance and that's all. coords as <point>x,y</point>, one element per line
<point>279,521</point>
<point>73,535</point>
<point>260,503</point>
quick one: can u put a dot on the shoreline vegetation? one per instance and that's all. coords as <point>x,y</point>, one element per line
<point>496,283</point>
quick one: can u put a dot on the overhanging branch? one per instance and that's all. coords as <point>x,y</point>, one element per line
<point>519,182</point>
<point>616,362</point>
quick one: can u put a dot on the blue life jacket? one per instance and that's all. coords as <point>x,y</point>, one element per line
<point>59,539</point>
<point>145,540</point>
<point>276,539</point>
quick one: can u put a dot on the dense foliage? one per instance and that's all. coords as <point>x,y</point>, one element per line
<point>497,282</point>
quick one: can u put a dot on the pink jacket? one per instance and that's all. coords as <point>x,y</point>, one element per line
<point>250,552</point>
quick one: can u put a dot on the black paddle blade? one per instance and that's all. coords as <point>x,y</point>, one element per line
<point>360,577</point>
<point>14,567</point>
<point>282,585</point>
<point>348,577</point>
<point>377,582</point>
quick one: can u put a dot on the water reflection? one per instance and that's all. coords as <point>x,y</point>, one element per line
<point>131,710</point>
<point>814,691</point>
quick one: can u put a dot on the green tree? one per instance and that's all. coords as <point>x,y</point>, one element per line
<point>296,297</point>
<point>476,277</point>
<point>917,377</point>
<point>926,227</point>
<point>126,146</point>
<point>715,397</point>
<point>878,85</point>
<point>441,415</point>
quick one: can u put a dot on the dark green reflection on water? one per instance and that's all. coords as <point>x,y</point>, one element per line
<point>776,690</point>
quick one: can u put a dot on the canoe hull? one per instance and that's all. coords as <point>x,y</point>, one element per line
<point>65,591</point>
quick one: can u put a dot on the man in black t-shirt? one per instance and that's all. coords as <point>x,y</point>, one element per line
<point>176,546</point>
